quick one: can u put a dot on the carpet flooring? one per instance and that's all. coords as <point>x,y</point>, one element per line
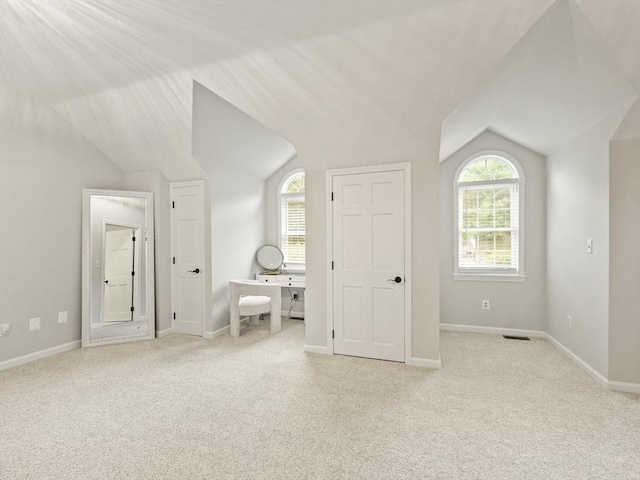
<point>258,407</point>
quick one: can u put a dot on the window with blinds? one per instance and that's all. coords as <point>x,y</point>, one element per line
<point>292,219</point>
<point>488,223</point>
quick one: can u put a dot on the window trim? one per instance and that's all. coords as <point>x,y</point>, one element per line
<point>301,266</point>
<point>490,275</point>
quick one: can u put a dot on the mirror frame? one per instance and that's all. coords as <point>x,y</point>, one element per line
<point>87,301</point>
<point>267,268</point>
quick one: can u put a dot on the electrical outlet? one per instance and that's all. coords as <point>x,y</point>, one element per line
<point>63,317</point>
<point>486,304</point>
<point>294,295</point>
<point>34,324</point>
<point>4,329</point>
<point>569,321</point>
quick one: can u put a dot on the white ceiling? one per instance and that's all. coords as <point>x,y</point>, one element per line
<point>555,83</point>
<point>223,133</point>
<point>58,49</point>
<point>339,79</point>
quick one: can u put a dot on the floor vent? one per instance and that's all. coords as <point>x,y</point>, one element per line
<point>513,337</point>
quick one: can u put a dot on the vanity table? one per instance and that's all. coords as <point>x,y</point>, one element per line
<point>284,279</point>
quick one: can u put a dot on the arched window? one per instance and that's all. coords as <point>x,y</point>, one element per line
<point>292,219</point>
<point>489,189</point>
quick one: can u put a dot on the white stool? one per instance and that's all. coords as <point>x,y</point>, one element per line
<point>251,298</point>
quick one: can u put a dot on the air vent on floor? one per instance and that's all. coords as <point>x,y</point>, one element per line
<point>513,337</point>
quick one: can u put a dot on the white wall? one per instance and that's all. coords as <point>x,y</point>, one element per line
<point>237,231</point>
<point>44,165</point>
<point>624,258</point>
<point>577,210</point>
<point>272,209</point>
<point>154,181</point>
<point>513,304</point>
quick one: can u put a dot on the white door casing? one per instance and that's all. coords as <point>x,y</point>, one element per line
<point>187,250</point>
<point>118,268</point>
<point>369,232</point>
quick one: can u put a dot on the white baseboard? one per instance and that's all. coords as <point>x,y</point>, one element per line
<point>425,362</point>
<point>624,387</point>
<point>285,313</point>
<point>317,349</point>
<point>14,362</point>
<point>578,361</point>
<point>492,330</point>
<point>164,333</point>
<point>222,331</point>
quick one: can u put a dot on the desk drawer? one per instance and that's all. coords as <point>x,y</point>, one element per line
<point>267,279</point>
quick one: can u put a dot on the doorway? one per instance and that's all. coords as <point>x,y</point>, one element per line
<point>369,247</point>
<point>188,260</point>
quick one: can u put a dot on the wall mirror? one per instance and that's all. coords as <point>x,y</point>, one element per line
<point>117,267</point>
<point>269,257</point>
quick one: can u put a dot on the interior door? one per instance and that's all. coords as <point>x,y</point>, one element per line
<point>187,245</point>
<point>118,268</point>
<point>368,270</point>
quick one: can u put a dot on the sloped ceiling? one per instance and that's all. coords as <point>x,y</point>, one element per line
<point>336,78</point>
<point>555,83</point>
<point>223,133</point>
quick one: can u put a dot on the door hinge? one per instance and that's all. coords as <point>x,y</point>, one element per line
<point>132,309</point>
<point>133,239</point>
<point>332,265</point>
<point>133,273</point>
<point>173,204</point>
<point>333,334</point>
<point>332,196</point>
<point>174,260</point>
<point>174,315</point>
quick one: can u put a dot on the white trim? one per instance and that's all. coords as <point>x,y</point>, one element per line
<point>578,361</point>
<point>624,387</point>
<point>285,179</point>
<point>14,362</point>
<point>452,327</point>
<point>221,331</point>
<point>520,183</point>
<point>285,313</point>
<point>318,349</point>
<point>425,363</point>
<point>405,167</point>
<point>488,277</point>
<point>164,333</point>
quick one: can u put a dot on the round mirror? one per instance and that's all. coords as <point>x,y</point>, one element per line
<point>269,257</point>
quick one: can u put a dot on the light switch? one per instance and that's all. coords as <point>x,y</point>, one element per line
<point>589,246</point>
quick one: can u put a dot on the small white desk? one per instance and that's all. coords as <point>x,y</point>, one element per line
<point>284,279</point>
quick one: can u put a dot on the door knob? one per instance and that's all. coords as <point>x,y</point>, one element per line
<point>397,279</point>
<point>106,281</point>
<point>197,270</point>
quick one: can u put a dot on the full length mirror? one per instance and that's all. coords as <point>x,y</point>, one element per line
<point>117,263</point>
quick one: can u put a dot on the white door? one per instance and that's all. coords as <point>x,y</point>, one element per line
<point>368,225</point>
<point>187,246</point>
<point>118,268</point>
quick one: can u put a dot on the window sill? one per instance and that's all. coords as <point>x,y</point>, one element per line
<point>488,277</point>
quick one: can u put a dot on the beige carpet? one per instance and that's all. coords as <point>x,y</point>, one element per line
<point>259,407</point>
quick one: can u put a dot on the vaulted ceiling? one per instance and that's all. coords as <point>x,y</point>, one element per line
<point>376,78</point>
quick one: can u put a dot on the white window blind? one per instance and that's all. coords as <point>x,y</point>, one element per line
<point>293,228</point>
<point>488,226</point>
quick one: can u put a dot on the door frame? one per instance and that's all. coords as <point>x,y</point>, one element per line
<point>203,303</point>
<point>404,167</point>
